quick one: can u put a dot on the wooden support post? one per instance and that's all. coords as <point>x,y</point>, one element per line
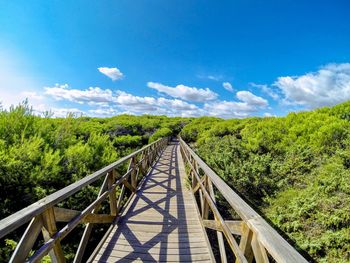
<point>87,231</point>
<point>27,241</point>
<point>193,170</point>
<point>245,243</point>
<point>219,234</point>
<point>205,208</point>
<point>133,173</point>
<point>259,251</point>
<point>49,230</point>
<point>120,198</point>
<point>112,195</point>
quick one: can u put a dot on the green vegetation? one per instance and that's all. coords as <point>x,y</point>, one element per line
<point>39,156</point>
<point>295,169</point>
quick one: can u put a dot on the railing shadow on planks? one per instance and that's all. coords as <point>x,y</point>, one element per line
<point>258,241</point>
<point>44,214</point>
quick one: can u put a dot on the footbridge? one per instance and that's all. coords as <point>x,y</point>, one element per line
<point>161,203</point>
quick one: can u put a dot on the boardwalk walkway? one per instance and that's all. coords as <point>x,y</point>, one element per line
<point>161,223</point>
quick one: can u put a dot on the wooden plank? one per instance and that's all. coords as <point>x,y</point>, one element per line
<point>169,258</point>
<point>159,250</point>
<point>158,244</point>
<point>148,237</point>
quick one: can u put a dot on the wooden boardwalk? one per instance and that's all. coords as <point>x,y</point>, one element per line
<point>161,223</point>
<point>163,219</point>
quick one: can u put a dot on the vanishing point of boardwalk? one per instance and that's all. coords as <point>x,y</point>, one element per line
<point>161,223</point>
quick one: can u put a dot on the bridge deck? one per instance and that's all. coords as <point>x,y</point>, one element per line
<point>161,222</point>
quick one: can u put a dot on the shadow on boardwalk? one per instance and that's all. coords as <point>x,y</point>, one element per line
<point>161,223</point>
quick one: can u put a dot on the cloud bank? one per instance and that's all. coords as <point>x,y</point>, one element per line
<point>326,87</point>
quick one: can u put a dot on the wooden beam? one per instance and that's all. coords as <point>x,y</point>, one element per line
<point>234,226</point>
<point>129,186</point>
<point>27,241</point>
<point>88,228</point>
<point>245,243</point>
<point>259,251</point>
<point>219,234</point>
<point>49,230</point>
<point>112,195</point>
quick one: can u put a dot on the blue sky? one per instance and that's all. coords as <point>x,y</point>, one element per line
<point>180,58</point>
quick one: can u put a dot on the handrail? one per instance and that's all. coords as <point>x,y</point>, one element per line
<point>43,214</point>
<point>258,239</point>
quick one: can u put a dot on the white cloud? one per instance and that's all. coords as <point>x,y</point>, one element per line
<point>251,99</point>
<point>227,86</point>
<point>248,104</point>
<point>328,86</point>
<point>151,105</point>
<point>228,109</point>
<point>110,103</point>
<point>185,92</point>
<point>112,73</point>
<point>267,90</point>
<point>92,94</point>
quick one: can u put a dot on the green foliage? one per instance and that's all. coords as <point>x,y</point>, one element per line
<point>295,169</point>
<point>160,133</point>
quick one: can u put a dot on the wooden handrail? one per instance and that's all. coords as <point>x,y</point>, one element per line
<point>258,240</point>
<point>43,214</point>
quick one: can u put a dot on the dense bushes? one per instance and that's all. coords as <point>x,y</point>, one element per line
<point>294,168</point>
<point>38,156</point>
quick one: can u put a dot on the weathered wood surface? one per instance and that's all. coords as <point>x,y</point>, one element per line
<point>161,223</point>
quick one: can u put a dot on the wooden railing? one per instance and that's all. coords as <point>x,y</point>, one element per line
<point>44,214</point>
<point>256,238</point>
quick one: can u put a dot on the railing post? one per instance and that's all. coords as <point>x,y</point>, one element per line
<point>49,230</point>
<point>88,228</point>
<point>112,194</point>
<point>133,172</point>
<point>27,241</point>
<point>205,208</point>
<point>259,251</point>
<point>218,233</point>
<point>246,243</point>
<point>194,178</point>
